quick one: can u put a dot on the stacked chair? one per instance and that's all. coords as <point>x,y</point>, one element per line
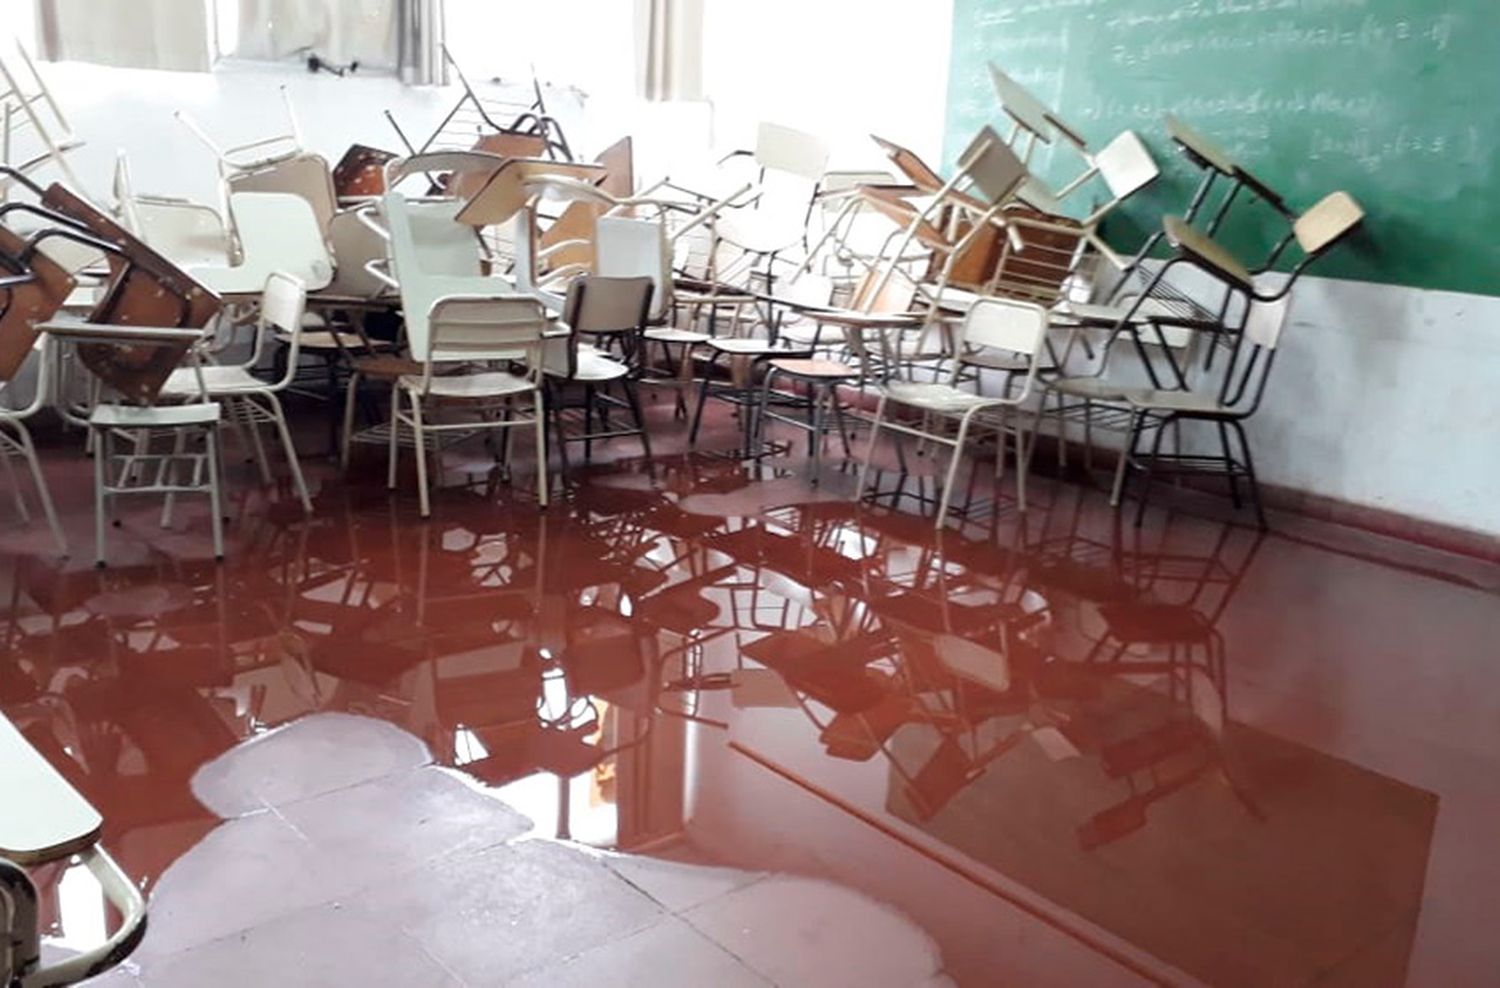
<point>489,280</point>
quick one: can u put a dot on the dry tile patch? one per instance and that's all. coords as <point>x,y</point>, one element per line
<point>348,858</point>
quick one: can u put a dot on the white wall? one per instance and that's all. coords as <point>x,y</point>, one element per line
<point>1383,396</point>
<point>1388,397</point>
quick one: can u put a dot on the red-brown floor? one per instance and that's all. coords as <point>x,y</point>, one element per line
<point>1071,751</point>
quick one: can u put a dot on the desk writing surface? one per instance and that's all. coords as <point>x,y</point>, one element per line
<point>1391,100</point>
<point>42,817</point>
<point>506,191</point>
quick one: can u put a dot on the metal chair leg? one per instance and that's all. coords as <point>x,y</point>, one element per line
<point>351,399</point>
<point>1150,472</point>
<point>291,451</point>
<point>211,440</point>
<point>588,423</point>
<point>633,397</point>
<point>15,485</point>
<point>101,496</point>
<point>1127,452</point>
<point>44,494</point>
<point>1254,483</point>
<point>392,446</point>
<point>864,468</point>
<point>817,398</point>
<point>838,418</point>
<point>541,447</point>
<point>758,440</point>
<point>1229,475</point>
<point>702,400</point>
<point>957,455</point>
<point>421,447</point>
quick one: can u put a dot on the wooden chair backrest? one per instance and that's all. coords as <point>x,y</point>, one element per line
<point>25,305</point>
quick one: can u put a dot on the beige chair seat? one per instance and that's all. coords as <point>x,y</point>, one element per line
<point>593,367</point>
<point>1193,402</point>
<point>667,334</point>
<point>490,384</point>
<point>743,346</point>
<point>824,369</point>
<point>183,382</point>
<point>1208,250</point>
<point>386,365</point>
<point>935,397</point>
<point>154,416</point>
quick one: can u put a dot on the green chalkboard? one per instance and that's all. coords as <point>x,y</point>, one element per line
<point>1395,101</point>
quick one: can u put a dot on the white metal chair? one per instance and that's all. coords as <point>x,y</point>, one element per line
<point>276,232</point>
<point>47,823</point>
<point>15,440</point>
<point>1003,324</point>
<point>1236,399</point>
<point>138,470</point>
<point>462,332</point>
<point>612,312</point>
<point>304,175</point>
<point>248,398</point>
<point>1124,165</point>
<point>773,218</point>
<point>435,248</point>
<point>33,128</point>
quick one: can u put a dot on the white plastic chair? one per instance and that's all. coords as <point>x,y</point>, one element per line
<point>436,247</point>
<point>253,400</point>
<point>33,129</point>
<point>15,440</point>
<point>305,175</point>
<point>276,232</point>
<point>465,331</point>
<point>1002,324</point>
<point>47,823</point>
<point>452,319</point>
<point>131,472</point>
<point>773,218</point>
<point>1124,165</point>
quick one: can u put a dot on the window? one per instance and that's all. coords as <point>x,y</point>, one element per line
<point>583,43</point>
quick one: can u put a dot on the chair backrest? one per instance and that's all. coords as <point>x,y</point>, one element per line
<point>1022,107</point>
<point>1328,222</point>
<point>807,289</point>
<point>188,233</point>
<point>429,252</point>
<point>1200,149</point>
<point>784,149</point>
<point>282,304</point>
<point>1041,269</point>
<point>278,232</point>
<point>599,304</point>
<point>1126,165</point>
<point>480,328</point>
<point>625,247</point>
<point>354,246</point>
<point>1005,324</point>
<point>305,175</point>
<point>1265,321</point>
<point>991,168</point>
<point>917,171</point>
<point>896,295</point>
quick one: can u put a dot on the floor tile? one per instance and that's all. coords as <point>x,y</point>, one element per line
<point>667,954</point>
<point>679,886</point>
<point>311,756</point>
<point>321,947</point>
<point>800,933</point>
<point>247,871</point>
<point>491,916</point>
<point>423,814</point>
